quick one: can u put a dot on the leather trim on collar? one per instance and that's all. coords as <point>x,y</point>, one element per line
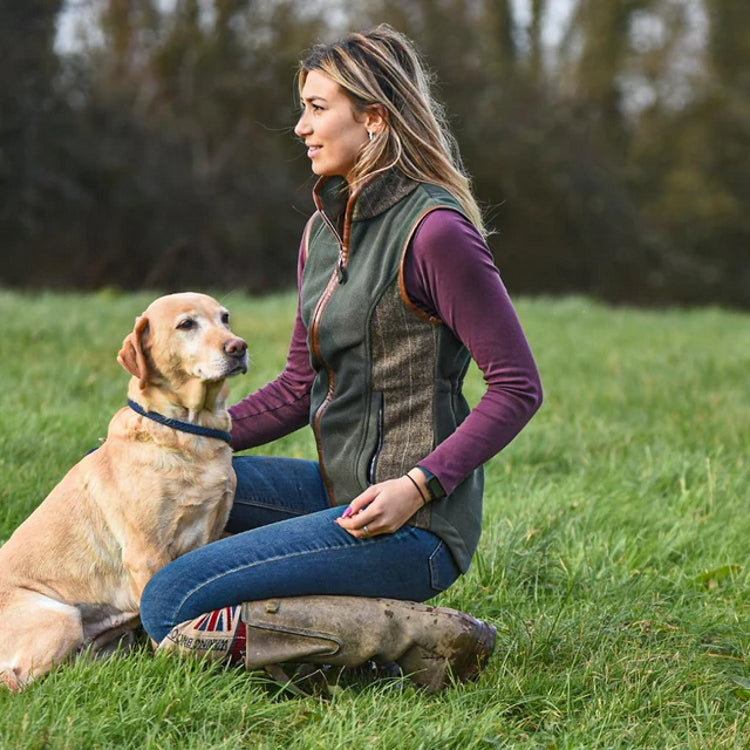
<point>374,197</point>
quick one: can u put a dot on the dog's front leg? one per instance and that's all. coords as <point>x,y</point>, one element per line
<point>219,521</point>
<point>141,563</point>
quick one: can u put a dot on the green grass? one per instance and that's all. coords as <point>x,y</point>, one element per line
<point>614,559</point>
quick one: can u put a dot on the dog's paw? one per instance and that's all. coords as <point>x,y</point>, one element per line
<point>9,679</point>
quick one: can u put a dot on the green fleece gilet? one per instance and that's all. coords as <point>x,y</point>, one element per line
<point>389,377</point>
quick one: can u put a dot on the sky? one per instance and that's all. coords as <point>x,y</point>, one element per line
<point>78,14</point>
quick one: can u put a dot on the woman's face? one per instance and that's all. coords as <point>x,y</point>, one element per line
<point>333,135</point>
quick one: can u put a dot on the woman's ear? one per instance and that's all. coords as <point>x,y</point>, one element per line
<point>131,356</point>
<point>376,118</point>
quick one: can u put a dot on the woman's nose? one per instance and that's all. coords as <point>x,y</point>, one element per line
<point>301,129</point>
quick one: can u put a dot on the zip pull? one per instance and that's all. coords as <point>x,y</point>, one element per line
<point>341,269</point>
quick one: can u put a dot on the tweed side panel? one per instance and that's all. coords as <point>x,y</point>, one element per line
<point>403,353</point>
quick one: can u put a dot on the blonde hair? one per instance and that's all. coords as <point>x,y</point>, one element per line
<point>382,67</point>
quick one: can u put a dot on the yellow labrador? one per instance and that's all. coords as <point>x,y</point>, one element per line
<point>160,485</point>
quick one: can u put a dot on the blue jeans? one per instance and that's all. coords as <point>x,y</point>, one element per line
<point>285,543</point>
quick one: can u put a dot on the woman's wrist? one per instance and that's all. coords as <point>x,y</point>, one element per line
<point>428,482</point>
<point>418,480</point>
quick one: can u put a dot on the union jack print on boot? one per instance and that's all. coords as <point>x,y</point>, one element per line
<point>219,634</point>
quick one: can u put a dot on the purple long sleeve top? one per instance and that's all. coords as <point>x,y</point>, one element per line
<point>449,273</point>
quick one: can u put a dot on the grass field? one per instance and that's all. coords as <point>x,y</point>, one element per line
<point>614,560</point>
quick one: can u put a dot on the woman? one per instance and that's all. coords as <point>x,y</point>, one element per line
<point>397,291</point>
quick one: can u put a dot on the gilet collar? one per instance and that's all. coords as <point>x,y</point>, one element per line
<point>372,198</point>
<point>339,209</point>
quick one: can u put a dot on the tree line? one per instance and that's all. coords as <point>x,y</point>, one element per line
<point>609,145</point>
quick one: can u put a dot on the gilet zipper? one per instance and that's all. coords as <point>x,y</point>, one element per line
<point>338,277</point>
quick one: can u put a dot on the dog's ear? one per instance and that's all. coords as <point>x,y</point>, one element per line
<point>131,356</point>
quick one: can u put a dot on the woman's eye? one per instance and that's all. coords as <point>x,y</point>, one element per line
<point>186,325</point>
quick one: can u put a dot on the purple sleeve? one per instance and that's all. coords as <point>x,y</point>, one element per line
<point>450,273</point>
<point>283,405</point>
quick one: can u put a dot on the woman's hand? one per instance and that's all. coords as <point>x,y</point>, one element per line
<point>384,507</point>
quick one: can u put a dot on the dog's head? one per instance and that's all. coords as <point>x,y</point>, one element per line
<point>182,338</point>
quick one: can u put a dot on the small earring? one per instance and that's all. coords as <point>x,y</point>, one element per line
<point>370,134</point>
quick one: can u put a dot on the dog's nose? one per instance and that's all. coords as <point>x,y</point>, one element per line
<point>235,347</point>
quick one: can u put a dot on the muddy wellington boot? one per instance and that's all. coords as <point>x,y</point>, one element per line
<point>428,643</point>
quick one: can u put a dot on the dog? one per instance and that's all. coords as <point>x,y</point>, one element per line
<point>160,485</point>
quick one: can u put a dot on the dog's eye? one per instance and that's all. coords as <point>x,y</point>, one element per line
<point>225,318</point>
<point>186,325</point>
